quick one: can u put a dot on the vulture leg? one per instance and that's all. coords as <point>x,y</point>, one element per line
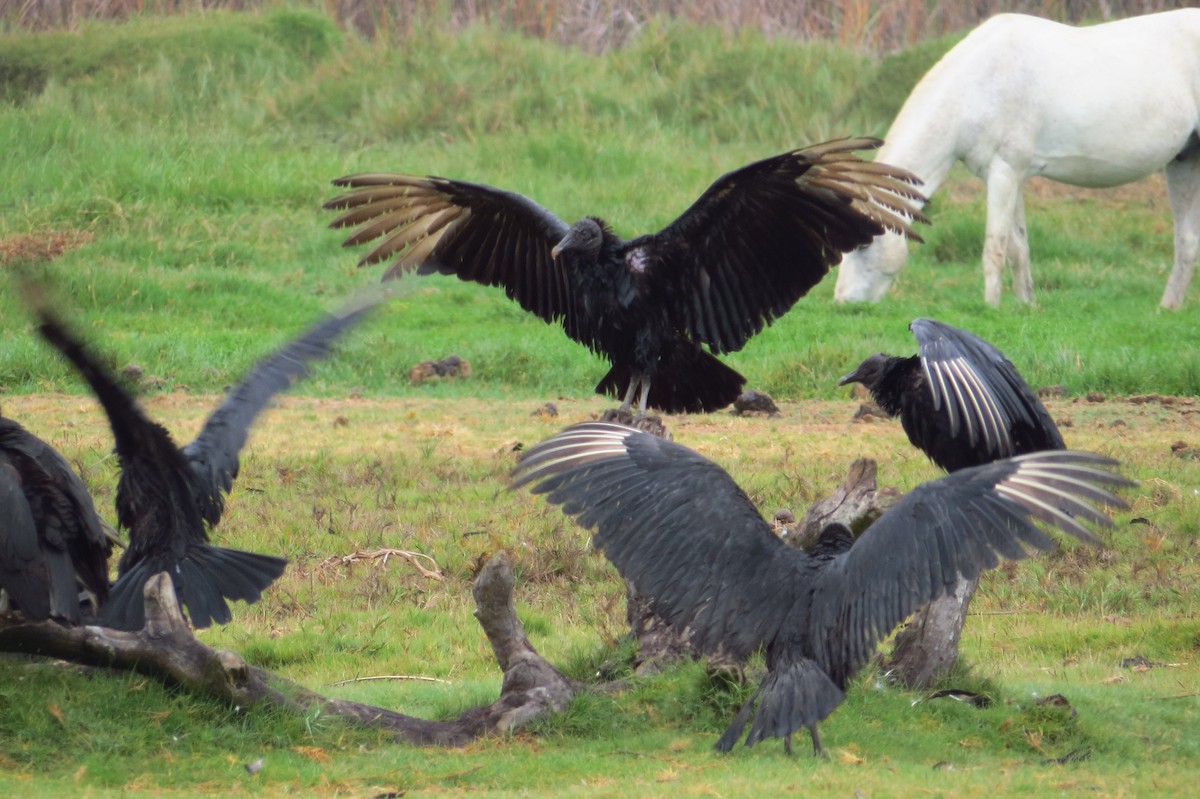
<point>627,401</point>
<point>818,750</point>
<point>643,396</point>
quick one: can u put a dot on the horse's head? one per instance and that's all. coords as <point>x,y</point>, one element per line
<point>867,273</point>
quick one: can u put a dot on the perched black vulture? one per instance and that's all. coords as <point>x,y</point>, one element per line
<point>52,543</point>
<point>755,242</point>
<point>680,530</point>
<point>959,399</point>
<point>167,497</point>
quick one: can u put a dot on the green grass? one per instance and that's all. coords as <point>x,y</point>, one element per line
<point>427,475</point>
<point>196,153</point>
<point>192,155</point>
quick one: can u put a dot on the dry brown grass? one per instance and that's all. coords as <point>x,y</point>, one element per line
<point>41,245</point>
<point>877,25</point>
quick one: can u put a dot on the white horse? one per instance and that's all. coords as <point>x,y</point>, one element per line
<point>1096,106</point>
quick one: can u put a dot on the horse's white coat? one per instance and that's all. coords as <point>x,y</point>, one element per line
<point>1095,106</point>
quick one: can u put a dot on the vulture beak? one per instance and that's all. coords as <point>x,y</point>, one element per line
<point>563,243</point>
<point>853,377</point>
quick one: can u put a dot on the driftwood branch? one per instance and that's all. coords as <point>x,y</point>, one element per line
<point>926,648</point>
<point>167,650</point>
<point>856,503</point>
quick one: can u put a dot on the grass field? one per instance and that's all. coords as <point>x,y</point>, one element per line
<point>175,168</point>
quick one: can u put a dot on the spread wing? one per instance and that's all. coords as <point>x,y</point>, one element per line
<point>989,407</point>
<point>476,232</point>
<point>213,455</point>
<point>675,525</point>
<point>154,481</point>
<point>761,236</point>
<point>945,529</point>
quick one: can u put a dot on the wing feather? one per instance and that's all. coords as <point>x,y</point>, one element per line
<point>476,232</point>
<point>213,456</point>
<point>768,232</point>
<point>675,525</point>
<point>989,411</point>
<point>949,529</point>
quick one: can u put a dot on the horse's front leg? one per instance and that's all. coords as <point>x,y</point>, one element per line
<point>1183,188</point>
<point>1018,254</point>
<point>1003,193</point>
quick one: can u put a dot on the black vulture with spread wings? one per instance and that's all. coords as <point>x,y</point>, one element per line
<point>755,242</point>
<point>169,497</point>
<point>959,399</point>
<point>680,530</point>
<point>52,543</point>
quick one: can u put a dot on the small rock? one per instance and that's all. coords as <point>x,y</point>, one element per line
<point>450,366</point>
<point>547,411</point>
<point>341,421</point>
<point>859,392</point>
<point>1181,449</point>
<point>1055,391</point>
<point>1139,663</point>
<point>132,372</point>
<point>754,402</point>
<point>869,412</point>
<point>1095,396</point>
<point>646,422</point>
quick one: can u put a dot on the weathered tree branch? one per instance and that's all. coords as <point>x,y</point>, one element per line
<point>926,648</point>
<point>856,503</point>
<point>167,650</point>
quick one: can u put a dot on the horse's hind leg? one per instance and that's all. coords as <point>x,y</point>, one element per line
<point>1183,188</point>
<point>1003,193</point>
<point>1018,254</point>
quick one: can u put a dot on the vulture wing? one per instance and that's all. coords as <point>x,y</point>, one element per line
<point>213,455</point>
<point>675,525</point>
<point>989,407</point>
<point>480,234</point>
<point>761,236</point>
<point>946,529</point>
<point>23,571</point>
<point>84,537</point>
<point>154,475</point>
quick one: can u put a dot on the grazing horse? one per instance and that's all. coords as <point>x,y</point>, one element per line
<point>1097,106</point>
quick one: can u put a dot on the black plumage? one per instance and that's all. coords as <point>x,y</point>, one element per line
<point>755,242</point>
<point>680,530</point>
<point>52,543</point>
<point>168,496</point>
<point>959,399</point>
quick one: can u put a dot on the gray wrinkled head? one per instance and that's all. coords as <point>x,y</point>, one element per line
<point>585,236</point>
<point>868,372</point>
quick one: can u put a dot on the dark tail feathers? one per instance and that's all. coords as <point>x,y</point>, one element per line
<point>688,380</point>
<point>203,581</point>
<point>790,697</point>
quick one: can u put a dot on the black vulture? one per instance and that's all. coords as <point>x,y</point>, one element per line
<point>755,242</point>
<point>52,543</point>
<point>959,399</point>
<point>168,496</point>
<point>680,530</point>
